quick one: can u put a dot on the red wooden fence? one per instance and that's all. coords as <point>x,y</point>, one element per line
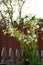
<point>10,42</point>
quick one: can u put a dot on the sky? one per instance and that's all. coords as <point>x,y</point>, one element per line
<point>31,7</point>
<point>34,7</point>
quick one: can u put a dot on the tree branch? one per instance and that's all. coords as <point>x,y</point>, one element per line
<point>20,7</point>
<point>23,3</point>
<point>8,10</point>
<point>11,10</point>
<point>3,17</point>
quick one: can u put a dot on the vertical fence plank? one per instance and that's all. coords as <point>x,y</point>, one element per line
<point>10,42</point>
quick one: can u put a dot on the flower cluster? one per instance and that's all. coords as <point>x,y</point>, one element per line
<point>28,42</point>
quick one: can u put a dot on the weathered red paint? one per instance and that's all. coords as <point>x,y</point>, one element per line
<point>11,42</point>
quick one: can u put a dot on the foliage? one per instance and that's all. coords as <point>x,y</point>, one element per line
<point>41,63</point>
<point>23,21</point>
<point>9,8</point>
<point>28,42</point>
<point>40,20</point>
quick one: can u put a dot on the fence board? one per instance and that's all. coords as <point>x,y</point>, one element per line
<point>8,42</point>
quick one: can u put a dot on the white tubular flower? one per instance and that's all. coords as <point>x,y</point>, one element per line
<point>31,37</point>
<point>19,38</point>
<point>28,31</point>
<point>36,40</point>
<point>34,35</point>
<point>37,26</point>
<point>12,35</point>
<point>3,30</point>
<point>26,20</point>
<point>5,33</point>
<point>42,29</point>
<point>25,40</point>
